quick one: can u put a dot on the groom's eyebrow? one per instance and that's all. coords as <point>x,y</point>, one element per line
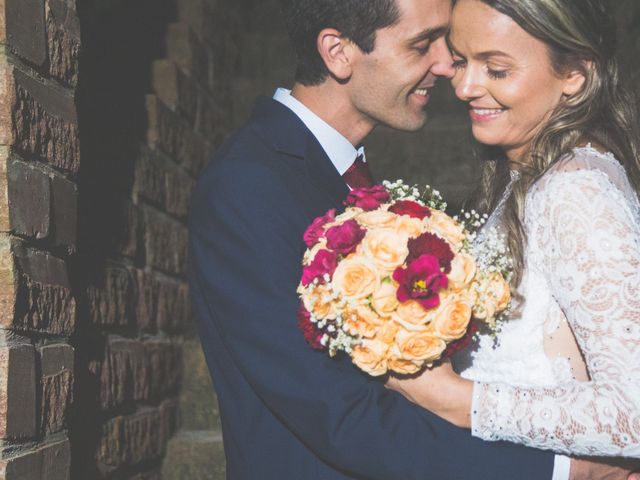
<point>429,34</point>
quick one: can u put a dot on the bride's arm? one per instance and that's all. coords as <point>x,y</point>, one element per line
<point>589,239</point>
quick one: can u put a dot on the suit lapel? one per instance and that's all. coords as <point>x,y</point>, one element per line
<point>290,136</point>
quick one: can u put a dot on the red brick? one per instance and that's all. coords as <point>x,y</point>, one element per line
<point>63,41</point>
<point>165,242</point>
<point>130,439</point>
<point>56,363</point>
<point>64,212</point>
<point>29,189</point>
<point>123,373</point>
<point>173,305</point>
<point>25,31</point>
<point>174,136</point>
<point>44,122</point>
<point>164,361</point>
<point>44,301</point>
<point>51,461</point>
<point>17,391</point>
<point>111,304</point>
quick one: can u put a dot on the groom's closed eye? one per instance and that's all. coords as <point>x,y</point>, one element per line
<point>422,42</point>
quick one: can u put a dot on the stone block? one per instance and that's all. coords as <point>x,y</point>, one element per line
<point>130,440</point>
<point>169,417</point>
<point>128,229</point>
<point>165,242</point>
<point>24,29</point>
<point>164,361</point>
<point>123,373</point>
<point>29,189</point>
<point>149,177</point>
<point>175,88</point>
<point>174,136</point>
<point>17,391</point>
<point>44,122</point>
<point>186,50</point>
<point>4,190</point>
<point>147,300</point>
<point>51,461</point>
<point>56,363</point>
<point>111,304</point>
<point>44,300</point>
<point>179,189</point>
<point>63,41</point>
<point>8,282</point>
<point>173,305</point>
<point>199,408</point>
<point>65,212</point>
<point>196,456</point>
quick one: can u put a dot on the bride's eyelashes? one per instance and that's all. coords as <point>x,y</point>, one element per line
<point>497,74</point>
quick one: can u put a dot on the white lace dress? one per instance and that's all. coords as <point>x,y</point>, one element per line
<point>582,308</point>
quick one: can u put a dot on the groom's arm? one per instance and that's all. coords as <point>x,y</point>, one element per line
<point>245,237</point>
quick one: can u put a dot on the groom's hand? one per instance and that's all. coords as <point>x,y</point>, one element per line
<point>605,469</point>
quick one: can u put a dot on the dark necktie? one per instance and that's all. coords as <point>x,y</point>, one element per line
<point>358,174</point>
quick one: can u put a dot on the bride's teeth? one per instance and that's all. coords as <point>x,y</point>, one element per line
<point>422,91</point>
<point>487,111</point>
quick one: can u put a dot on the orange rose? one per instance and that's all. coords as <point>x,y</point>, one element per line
<point>377,219</point>
<point>320,302</point>
<point>356,277</point>
<point>411,227</point>
<point>444,226</point>
<point>387,332</point>
<point>412,316</point>
<point>386,248</point>
<point>361,321</point>
<point>384,299</point>
<point>419,346</point>
<point>452,318</point>
<point>499,289</point>
<point>370,357</point>
<point>463,269</point>
<point>402,366</point>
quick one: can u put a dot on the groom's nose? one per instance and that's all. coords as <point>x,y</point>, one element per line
<point>443,65</point>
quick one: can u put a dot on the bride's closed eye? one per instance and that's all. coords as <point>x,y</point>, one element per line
<point>458,63</point>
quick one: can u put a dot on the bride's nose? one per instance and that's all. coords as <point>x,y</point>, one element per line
<point>468,85</point>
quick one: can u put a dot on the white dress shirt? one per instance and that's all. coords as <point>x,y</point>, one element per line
<point>342,154</point>
<point>339,150</point>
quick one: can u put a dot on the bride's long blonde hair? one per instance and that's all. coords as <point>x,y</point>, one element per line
<point>579,34</point>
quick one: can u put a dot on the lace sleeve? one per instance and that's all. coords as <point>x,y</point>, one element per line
<point>586,234</point>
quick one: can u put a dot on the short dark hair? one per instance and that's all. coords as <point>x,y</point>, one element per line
<point>357,20</point>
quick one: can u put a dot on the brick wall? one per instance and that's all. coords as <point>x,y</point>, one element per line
<point>101,372</point>
<point>39,163</point>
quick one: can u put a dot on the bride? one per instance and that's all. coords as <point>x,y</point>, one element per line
<point>541,82</point>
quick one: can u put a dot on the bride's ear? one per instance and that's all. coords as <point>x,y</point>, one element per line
<point>335,51</point>
<point>575,79</point>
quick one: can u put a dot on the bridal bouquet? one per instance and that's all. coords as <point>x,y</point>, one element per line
<point>394,282</point>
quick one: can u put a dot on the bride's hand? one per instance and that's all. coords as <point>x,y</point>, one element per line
<point>439,390</point>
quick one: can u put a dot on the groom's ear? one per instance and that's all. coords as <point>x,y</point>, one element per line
<point>335,51</point>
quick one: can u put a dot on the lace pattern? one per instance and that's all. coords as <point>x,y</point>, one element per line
<point>583,259</point>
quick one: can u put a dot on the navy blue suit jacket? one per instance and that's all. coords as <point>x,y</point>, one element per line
<point>289,412</point>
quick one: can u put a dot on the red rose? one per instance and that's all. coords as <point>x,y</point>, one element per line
<point>413,209</point>
<point>324,262</point>
<point>345,238</point>
<point>367,198</point>
<point>421,281</point>
<point>312,334</point>
<point>313,233</point>
<point>430,244</point>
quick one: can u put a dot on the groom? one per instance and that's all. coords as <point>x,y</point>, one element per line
<point>289,413</point>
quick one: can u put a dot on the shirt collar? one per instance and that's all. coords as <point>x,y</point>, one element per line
<point>339,150</point>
